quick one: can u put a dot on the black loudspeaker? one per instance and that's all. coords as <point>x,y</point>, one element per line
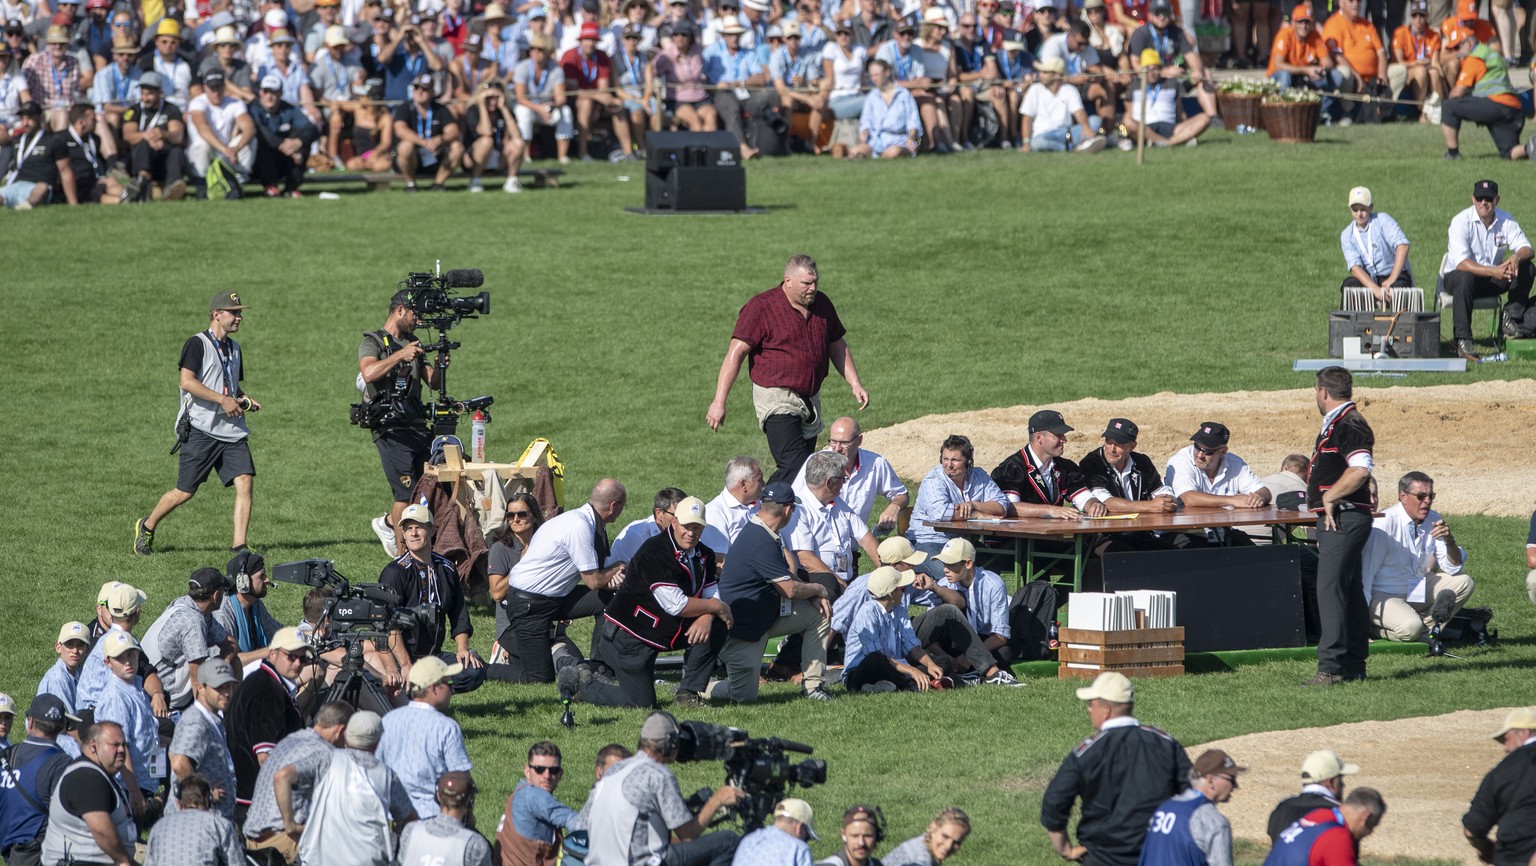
<point>694,171</point>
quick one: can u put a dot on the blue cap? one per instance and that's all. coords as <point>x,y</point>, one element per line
<point>780,492</point>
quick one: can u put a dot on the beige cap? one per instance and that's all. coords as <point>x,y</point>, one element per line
<point>364,729</point>
<point>797,809</point>
<point>1519,719</point>
<point>430,670</point>
<point>116,642</point>
<point>124,600</point>
<point>935,15</point>
<point>956,551</point>
<point>417,513</point>
<point>1324,764</point>
<point>494,12</point>
<point>1360,195</point>
<point>101,596</point>
<point>289,640</point>
<point>1051,64</point>
<point>791,29</point>
<point>336,35</point>
<point>689,512</point>
<point>7,704</point>
<point>898,549</point>
<point>226,36</point>
<point>57,35</point>
<point>731,26</point>
<point>74,631</point>
<point>885,580</point>
<point>1109,686</point>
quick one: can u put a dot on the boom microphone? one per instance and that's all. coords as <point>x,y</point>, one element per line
<point>464,278</point>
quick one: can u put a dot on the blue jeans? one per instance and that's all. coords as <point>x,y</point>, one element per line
<point>1330,82</point>
<point>1057,139</point>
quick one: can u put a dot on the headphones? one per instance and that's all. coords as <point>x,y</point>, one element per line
<point>242,576</point>
<point>872,814</point>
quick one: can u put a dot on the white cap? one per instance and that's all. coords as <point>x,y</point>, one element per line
<point>956,551</point>
<point>417,513</point>
<point>116,642</point>
<point>7,704</point>
<point>74,631</point>
<point>1360,195</point>
<point>898,549</point>
<point>1323,764</point>
<point>1109,686</point>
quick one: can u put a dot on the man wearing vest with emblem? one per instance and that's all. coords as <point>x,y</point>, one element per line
<point>211,427</point>
<point>1337,492</point>
<point>1330,837</point>
<point>36,764</point>
<point>1483,95</point>
<point>1188,829</point>
<point>88,820</point>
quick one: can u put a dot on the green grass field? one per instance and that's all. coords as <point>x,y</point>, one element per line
<point>966,282</point>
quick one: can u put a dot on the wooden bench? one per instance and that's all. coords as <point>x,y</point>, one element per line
<point>380,181</point>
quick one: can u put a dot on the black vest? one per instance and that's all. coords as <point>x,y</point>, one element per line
<point>1348,434</point>
<point>1144,477</point>
<point>659,562</point>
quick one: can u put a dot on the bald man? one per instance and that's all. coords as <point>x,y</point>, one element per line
<point>868,475</point>
<point>563,575</point>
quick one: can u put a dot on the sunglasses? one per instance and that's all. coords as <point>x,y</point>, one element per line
<point>1423,497</point>
<point>1482,198</point>
<point>1206,451</point>
<point>519,515</point>
<point>547,771</point>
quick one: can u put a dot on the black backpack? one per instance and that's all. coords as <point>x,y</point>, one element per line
<point>768,131</point>
<point>1030,614</point>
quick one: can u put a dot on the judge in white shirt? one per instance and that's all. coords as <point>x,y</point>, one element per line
<point>867,475</point>
<point>1412,566</point>
<point>1207,474</point>
<point>729,512</point>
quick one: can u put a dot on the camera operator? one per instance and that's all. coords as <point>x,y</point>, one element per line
<point>637,809</point>
<point>784,841</point>
<point>421,577</point>
<point>393,367</point>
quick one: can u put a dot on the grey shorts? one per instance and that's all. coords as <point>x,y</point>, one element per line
<point>202,453</point>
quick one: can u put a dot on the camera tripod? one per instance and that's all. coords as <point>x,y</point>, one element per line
<point>352,683</point>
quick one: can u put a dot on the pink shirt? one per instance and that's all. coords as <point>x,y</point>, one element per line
<point>684,74</point>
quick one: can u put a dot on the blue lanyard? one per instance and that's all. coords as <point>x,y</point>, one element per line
<point>415,64</point>
<point>735,73</point>
<point>632,63</point>
<point>903,67</point>
<point>225,361</point>
<point>471,74</point>
<point>1002,60</point>
<point>1164,45</point>
<point>425,131</point>
<point>59,77</point>
<point>538,82</point>
<point>588,74</point>
<point>119,84</point>
<point>976,55</point>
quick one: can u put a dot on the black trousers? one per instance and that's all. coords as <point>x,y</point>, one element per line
<point>872,669</point>
<point>527,635</point>
<point>166,165</point>
<point>947,626</point>
<point>711,849</point>
<point>634,661</point>
<point>1503,123</point>
<point>788,447</point>
<point>1467,287</point>
<point>274,168</point>
<point>1344,617</point>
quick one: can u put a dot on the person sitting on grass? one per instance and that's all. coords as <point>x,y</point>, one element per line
<point>540,89</point>
<point>1050,105</point>
<point>1160,110</point>
<point>941,841</point>
<point>494,138</point>
<point>986,605</point>
<point>863,829</point>
<point>426,136</point>
<point>883,653</point>
<point>889,125</point>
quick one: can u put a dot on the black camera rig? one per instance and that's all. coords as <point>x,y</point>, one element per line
<point>760,767</point>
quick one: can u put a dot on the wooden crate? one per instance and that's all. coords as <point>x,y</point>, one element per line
<point>1142,652</point>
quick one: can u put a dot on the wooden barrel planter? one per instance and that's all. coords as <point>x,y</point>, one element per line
<point>1294,122</point>
<point>1240,109</point>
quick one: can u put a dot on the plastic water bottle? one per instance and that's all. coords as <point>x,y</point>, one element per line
<point>477,436</point>
<point>1501,356</point>
<point>1053,637</point>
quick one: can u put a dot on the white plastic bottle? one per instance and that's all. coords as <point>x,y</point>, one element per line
<point>477,437</point>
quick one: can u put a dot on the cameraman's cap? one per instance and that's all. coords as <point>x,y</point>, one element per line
<point>1048,421</point>
<point>289,640</point>
<point>117,642</point>
<point>223,300</point>
<point>658,726</point>
<point>430,670</point>
<point>898,549</point>
<point>207,580</point>
<point>1519,719</point>
<point>215,672</point>
<point>885,580</point>
<point>74,631</point>
<point>124,600</point>
<point>689,512</point>
<point>1485,189</point>
<point>48,708</point>
<point>417,513</point>
<point>780,492</point>
<point>956,550</point>
<point>1211,434</point>
<point>1109,686</point>
<point>1323,764</point>
<point>1215,762</point>
<point>364,729</point>
<point>1360,195</point>
<point>457,783</point>
<point>1121,430</point>
<point>797,809</point>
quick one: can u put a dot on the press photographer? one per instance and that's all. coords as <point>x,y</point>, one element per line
<point>421,577</point>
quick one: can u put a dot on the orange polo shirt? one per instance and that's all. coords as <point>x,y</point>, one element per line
<point>1358,40</point>
<point>1295,51</point>
<point>1473,69</point>
<point>1452,28</point>
<point>1413,48</point>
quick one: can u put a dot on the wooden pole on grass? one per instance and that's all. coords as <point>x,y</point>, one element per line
<point>1141,126</point>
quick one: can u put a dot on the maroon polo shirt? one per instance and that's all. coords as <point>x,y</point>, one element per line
<point>788,349</point>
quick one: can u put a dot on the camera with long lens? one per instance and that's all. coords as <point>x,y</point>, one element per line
<point>361,610</point>
<point>759,766</point>
<point>432,296</point>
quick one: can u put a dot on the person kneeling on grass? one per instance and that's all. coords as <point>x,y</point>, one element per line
<point>881,641</point>
<point>1483,95</point>
<point>1160,108</point>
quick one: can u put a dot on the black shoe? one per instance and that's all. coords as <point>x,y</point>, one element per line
<point>1451,155</point>
<point>1322,679</point>
<point>1511,328</point>
<point>688,699</point>
<point>143,538</point>
<point>1465,349</point>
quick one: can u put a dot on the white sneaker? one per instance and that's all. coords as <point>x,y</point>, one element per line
<point>512,185</point>
<point>476,186</point>
<point>386,534</point>
<point>1126,145</point>
<point>1004,678</point>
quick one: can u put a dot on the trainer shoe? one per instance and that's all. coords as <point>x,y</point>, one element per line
<point>969,678</point>
<point>1126,145</point>
<point>386,534</point>
<point>1322,679</point>
<point>818,694</point>
<point>476,186</point>
<point>690,700</point>
<point>1004,678</point>
<point>512,185</point>
<point>176,191</point>
<point>143,538</point>
<point>879,687</point>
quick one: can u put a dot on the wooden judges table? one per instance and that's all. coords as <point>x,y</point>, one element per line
<point>1019,536</point>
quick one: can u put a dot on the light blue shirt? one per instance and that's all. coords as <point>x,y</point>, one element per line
<point>770,846</point>
<point>721,65</point>
<point>986,603</point>
<point>419,745</point>
<point>129,706</point>
<point>1374,249</point>
<point>795,71</point>
<point>60,683</point>
<point>853,600</point>
<point>536,814</point>
<point>876,630</point>
<point>938,496</point>
<point>93,674</point>
<point>888,125</point>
